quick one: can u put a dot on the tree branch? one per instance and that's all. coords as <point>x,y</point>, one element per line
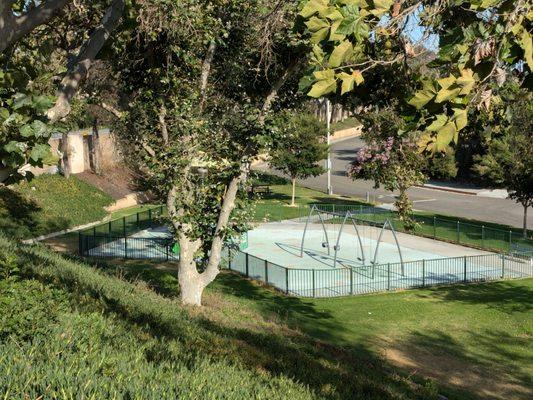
<point>291,69</point>
<point>13,28</point>
<point>206,69</point>
<point>78,72</point>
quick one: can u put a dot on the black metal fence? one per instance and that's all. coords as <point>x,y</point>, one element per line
<point>337,282</point>
<point>114,239</point>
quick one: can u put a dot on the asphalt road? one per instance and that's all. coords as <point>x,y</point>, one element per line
<point>503,211</point>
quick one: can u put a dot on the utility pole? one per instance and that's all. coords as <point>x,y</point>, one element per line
<point>328,162</point>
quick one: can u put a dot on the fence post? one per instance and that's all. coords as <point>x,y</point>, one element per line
<point>434,227</point>
<point>109,228</point>
<point>287,280</point>
<point>125,247</point>
<point>510,240</point>
<point>482,235</point>
<point>80,244</point>
<point>314,290</point>
<point>503,266</point>
<point>124,226</point>
<point>150,217</point>
<point>247,270</point>
<point>464,274</point>
<point>266,271</point>
<point>458,232</point>
<point>166,249</point>
<point>351,280</point>
<point>137,217</point>
<point>423,273</point>
<point>388,276</point>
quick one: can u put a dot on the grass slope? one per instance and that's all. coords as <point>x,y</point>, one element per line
<point>474,340</point>
<point>71,331</point>
<point>49,203</point>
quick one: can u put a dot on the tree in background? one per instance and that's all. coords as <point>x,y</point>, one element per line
<point>299,148</point>
<point>508,162</point>
<point>391,159</point>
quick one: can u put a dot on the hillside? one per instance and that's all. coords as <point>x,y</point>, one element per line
<point>49,203</point>
<point>69,330</point>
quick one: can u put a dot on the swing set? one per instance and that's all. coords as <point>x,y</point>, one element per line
<point>350,218</point>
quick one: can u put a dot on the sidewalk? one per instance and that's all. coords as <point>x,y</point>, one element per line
<point>466,189</point>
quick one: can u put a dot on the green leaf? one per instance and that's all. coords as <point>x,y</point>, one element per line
<point>348,82</point>
<point>445,136</point>
<point>466,81</point>
<point>445,83</point>
<point>39,128</point>
<point>315,24</point>
<point>527,46</point>
<point>424,96</point>
<point>4,113</point>
<point>460,117</point>
<point>314,6</point>
<point>439,122</point>
<point>381,7</point>
<point>320,35</point>
<point>322,88</point>
<point>39,152</point>
<point>447,94</point>
<point>15,147</point>
<point>26,131</point>
<point>342,52</point>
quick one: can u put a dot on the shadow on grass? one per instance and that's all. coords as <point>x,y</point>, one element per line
<point>223,333</point>
<point>493,369</point>
<point>21,218</point>
<point>507,297</point>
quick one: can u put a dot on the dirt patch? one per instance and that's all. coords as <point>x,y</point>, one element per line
<point>451,371</point>
<point>118,182</point>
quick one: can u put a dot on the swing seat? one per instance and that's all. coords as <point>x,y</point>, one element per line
<point>337,248</point>
<point>325,244</point>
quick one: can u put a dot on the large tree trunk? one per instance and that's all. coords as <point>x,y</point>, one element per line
<point>191,282</point>
<point>525,221</point>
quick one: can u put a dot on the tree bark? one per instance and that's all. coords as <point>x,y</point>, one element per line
<point>78,72</point>
<point>525,221</point>
<point>206,70</point>
<point>65,161</point>
<point>293,191</point>
<point>13,28</point>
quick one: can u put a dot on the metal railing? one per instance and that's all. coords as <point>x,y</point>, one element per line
<point>113,239</point>
<point>338,282</point>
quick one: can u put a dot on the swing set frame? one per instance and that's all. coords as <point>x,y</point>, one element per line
<point>353,219</point>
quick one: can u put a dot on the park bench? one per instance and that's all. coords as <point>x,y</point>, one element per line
<point>259,189</point>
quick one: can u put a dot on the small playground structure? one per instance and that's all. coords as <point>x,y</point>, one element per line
<point>326,253</point>
<point>330,217</point>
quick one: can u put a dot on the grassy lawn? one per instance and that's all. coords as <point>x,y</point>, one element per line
<point>49,203</point>
<point>473,340</point>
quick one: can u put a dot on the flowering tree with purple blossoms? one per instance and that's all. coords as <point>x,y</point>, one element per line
<point>391,159</point>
